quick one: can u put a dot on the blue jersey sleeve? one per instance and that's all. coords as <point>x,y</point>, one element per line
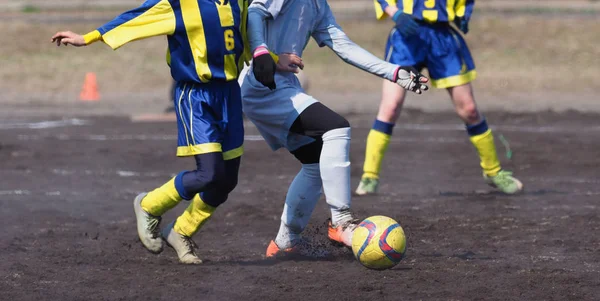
<point>464,8</point>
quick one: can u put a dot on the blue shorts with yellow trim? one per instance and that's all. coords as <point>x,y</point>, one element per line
<point>439,48</point>
<point>209,119</point>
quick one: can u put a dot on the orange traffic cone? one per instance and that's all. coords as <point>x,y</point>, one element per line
<point>90,88</point>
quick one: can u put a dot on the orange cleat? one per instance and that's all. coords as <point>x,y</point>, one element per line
<point>342,234</point>
<point>301,249</point>
<point>274,250</point>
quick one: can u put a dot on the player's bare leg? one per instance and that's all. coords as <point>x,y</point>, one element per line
<point>392,101</point>
<point>483,140</point>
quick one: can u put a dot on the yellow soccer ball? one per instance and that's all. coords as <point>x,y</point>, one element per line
<point>379,242</point>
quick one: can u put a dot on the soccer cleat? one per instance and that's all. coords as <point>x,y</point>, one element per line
<point>342,233</point>
<point>183,245</point>
<point>505,182</point>
<point>147,226</point>
<point>367,186</point>
<point>300,249</point>
<point>274,250</point>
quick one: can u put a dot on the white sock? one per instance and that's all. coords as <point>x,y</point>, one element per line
<point>301,199</point>
<point>335,173</point>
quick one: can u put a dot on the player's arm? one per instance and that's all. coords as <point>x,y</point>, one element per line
<point>265,63</point>
<point>388,7</point>
<point>464,10</point>
<point>405,23</point>
<point>329,34</point>
<point>153,18</point>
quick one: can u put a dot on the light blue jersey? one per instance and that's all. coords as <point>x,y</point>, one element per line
<point>285,26</point>
<point>291,23</point>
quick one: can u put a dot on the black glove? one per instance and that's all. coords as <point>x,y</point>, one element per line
<point>264,68</point>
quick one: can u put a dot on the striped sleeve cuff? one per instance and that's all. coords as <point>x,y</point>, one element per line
<point>92,37</point>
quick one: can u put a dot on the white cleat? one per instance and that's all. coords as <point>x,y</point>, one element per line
<point>183,245</point>
<point>148,226</point>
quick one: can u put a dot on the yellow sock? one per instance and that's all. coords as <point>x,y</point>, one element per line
<point>192,219</point>
<point>484,143</point>
<point>161,199</point>
<point>377,144</point>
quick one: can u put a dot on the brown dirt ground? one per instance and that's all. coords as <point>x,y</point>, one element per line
<point>69,232</point>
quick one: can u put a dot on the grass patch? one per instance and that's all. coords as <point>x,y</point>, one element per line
<point>28,9</point>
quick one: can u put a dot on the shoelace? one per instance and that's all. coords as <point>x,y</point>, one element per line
<point>504,177</point>
<point>190,244</point>
<point>351,224</point>
<point>153,226</point>
<point>367,181</point>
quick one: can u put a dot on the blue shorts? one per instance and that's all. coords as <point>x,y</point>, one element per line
<point>439,48</point>
<point>209,119</point>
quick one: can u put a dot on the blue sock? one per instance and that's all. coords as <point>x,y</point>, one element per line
<point>477,129</point>
<point>180,187</point>
<point>384,127</point>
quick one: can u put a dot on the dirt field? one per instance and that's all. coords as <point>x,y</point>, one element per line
<point>69,232</point>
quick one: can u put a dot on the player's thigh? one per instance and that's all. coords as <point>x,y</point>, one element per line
<point>392,100</point>
<point>462,94</point>
<point>316,120</point>
<point>464,102</point>
<point>449,60</point>
<point>198,120</point>
<point>274,112</point>
<point>313,122</point>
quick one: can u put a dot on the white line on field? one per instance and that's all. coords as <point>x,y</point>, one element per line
<point>507,128</point>
<point>141,137</point>
<point>144,137</point>
<point>15,192</point>
<point>43,124</point>
<point>404,126</point>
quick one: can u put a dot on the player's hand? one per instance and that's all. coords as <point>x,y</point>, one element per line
<point>264,67</point>
<point>406,24</point>
<point>462,24</point>
<point>289,62</point>
<point>410,79</point>
<point>68,38</point>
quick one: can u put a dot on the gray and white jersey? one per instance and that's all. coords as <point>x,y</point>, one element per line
<point>291,23</point>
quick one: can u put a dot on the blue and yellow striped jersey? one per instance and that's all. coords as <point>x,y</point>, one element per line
<point>428,10</point>
<point>207,38</point>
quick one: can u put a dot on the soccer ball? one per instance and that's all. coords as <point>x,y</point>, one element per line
<point>379,242</point>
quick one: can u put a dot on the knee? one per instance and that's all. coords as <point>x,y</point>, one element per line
<point>216,177</point>
<point>209,178</point>
<point>229,183</point>
<point>389,111</point>
<point>310,153</point>
<point>220,191</point>
<point>468,111</point>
